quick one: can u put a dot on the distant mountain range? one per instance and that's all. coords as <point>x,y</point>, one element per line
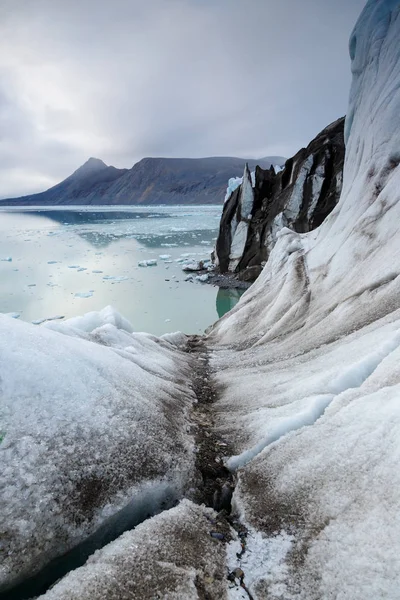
<point>150,181</point>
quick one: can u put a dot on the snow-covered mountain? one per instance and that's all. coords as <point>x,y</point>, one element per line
<point>296,391</point>
<point>300,197</point>
<point>149,181</point>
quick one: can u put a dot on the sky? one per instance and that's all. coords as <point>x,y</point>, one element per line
<point>127,79</point>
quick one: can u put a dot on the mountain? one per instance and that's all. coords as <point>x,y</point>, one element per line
<point>299,197</point>
<point>150,181</point>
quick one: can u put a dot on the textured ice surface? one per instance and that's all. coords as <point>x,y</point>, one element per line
<point>90,415</point>
<point>169,556</point>
<point>308,363</point>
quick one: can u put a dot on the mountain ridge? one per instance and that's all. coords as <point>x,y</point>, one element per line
<point>152,180</point>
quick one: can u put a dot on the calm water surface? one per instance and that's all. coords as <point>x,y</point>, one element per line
<point>68,262</point>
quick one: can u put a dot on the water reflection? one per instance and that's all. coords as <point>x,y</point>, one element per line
<point>227,299</point>
<point>70,217</point>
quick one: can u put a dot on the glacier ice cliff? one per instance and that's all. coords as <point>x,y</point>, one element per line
<point>299,197</point>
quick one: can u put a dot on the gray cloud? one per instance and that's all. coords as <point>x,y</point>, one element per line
<point>128,79</point>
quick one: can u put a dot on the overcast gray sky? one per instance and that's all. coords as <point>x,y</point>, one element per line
<point>124,79</point>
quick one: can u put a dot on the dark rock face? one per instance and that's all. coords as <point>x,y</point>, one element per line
<point>150,181</point>
<point>299,197</point>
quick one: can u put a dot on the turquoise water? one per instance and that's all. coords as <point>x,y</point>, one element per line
<point>66,263</point>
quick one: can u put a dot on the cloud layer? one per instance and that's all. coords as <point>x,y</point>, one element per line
<point>129,79</point>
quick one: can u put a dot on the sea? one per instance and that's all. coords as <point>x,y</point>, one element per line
<point>59,263</point>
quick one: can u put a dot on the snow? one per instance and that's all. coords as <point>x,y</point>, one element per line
<point>80,401</point>
<point>307,363</point>
<point>262,563</point>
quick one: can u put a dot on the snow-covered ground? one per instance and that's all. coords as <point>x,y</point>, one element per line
<point>308,364</point>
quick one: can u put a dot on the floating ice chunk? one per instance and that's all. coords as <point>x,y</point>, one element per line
<point>97,271</point>
<point>82,269</point>
<point>147,263</point>
<point>6,259</point>
<point>83,294</point>
<point>31,284</point>
<point>202,278</point>
<point>205,242</point>
<point>167,320</point>
<point>52,262</point>
<point>13,315</point>
<point>115,278</point>
<point>164,256</point>
<point>73,266</point>
<point>195,266</point>
<point>189,278</point>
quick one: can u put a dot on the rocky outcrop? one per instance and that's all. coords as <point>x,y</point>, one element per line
<point>149,181</point>
<point>299,197</point>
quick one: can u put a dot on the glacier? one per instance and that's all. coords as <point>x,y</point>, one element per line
<point>306,379</point>
<point>91,416</point>
<point>308,362</point>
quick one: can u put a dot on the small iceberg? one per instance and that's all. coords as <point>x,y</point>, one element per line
<point>152,262</point>
<point>194,266</point>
